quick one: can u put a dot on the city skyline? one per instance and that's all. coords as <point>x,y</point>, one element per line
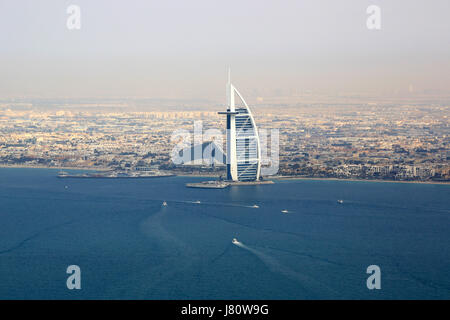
<point>391,141</point>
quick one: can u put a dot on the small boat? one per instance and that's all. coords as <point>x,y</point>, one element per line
<point>235,241</point>
<point>198,202</point>
<point>164,204</point>
<point>63,174</point>
<point>255,206</point>
<point>340,201</point>
<point>284,211</point>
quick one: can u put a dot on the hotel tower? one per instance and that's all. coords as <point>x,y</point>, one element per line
<point>243,157</point>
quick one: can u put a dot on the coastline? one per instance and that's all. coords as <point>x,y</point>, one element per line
<point>285,178</point>
<point>281,178</point>
<point>55,168</point>
<point>196,175</point>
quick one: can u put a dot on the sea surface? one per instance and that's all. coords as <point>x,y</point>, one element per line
<point>129,246</point>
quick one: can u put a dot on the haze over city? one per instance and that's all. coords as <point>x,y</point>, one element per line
<point>181,49</point>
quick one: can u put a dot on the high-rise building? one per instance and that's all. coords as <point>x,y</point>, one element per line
<point>243,157</point>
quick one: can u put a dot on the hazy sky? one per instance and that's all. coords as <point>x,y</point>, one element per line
<point>181,49</point>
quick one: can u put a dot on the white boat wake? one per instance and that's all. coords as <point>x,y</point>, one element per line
<point>171,250</point>
<point>315,288</point>
<point>154,228</point>
<point>216,204</point>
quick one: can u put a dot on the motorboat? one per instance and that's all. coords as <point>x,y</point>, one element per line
<point>340,201</point>
<point>235,241</point>
<point>164,204</point>
<point>284,211</point>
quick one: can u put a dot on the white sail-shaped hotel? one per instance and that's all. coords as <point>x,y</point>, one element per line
<point>243,157</point>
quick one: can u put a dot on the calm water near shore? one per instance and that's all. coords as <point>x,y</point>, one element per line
<point>129,246</point>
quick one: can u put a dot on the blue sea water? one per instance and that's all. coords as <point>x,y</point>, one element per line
<point>129,246</point>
